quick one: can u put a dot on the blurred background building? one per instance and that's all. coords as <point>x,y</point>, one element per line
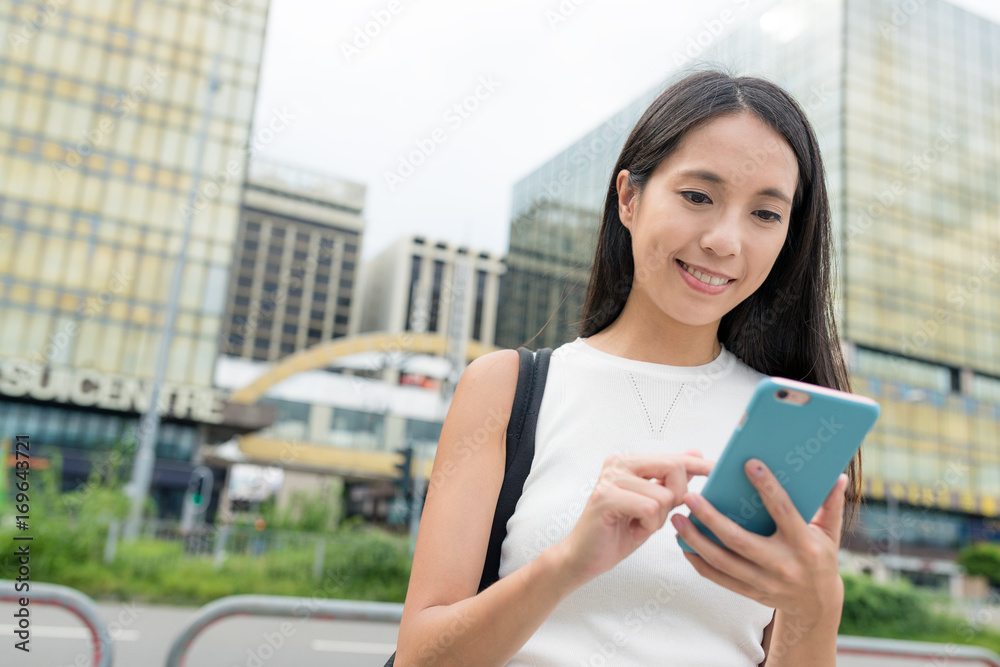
<point>903,103</point>
<point>411,286</point>
<point>96,170</point>
<point>337,429</point>
<point>295,267</point>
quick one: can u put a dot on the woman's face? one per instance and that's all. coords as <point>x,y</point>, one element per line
<point>719,205</point>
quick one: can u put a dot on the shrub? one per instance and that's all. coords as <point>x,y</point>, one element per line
<point>982,559</point>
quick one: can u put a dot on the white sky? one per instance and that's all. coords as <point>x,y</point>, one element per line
<point>555,82</point>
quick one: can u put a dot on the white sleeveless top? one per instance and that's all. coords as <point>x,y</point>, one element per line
<point>653,608</point>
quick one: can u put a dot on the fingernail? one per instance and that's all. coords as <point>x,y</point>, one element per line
<point>756,468</point>
<point>692,501</point>
<point>677,521</point>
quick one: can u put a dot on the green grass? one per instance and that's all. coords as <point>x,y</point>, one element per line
<point>359,564</point>
<point>69,532</point>
<point>899,611</point>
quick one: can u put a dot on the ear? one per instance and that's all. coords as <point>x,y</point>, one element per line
<point>626,199</point>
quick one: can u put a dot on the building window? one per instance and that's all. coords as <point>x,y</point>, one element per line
<point>477,322</point>
<point>436,295</point>
<point>414,278</point>
<point>422,431</point>
<point>356,429</point>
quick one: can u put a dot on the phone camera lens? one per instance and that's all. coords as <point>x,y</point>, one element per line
<point>782,394</point>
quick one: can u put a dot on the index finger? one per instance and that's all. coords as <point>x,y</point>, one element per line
<point>656,466</point>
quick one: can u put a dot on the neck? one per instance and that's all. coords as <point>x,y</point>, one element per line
<point>659,340</point>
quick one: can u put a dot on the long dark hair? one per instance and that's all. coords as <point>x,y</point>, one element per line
<point>787,327</point>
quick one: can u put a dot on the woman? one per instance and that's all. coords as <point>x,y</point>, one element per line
<point>712,270</point>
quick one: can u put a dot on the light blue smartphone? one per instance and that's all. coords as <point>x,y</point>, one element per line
<point>805,434</point>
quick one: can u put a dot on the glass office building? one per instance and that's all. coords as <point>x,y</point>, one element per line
<point>111,114</point>
<point>100,109</point>
<point>903,99</point>
<point>296,264</point>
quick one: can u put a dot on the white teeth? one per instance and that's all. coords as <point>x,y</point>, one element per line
<point>708,280</point>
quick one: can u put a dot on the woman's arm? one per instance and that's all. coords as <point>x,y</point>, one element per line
<point>444,621</point>
<point>804,642</point>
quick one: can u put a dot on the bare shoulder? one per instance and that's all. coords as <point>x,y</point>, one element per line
<point>493,374</point>
<point>480,409</point>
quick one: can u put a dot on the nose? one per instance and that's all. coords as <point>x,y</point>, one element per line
<point>722,235</point>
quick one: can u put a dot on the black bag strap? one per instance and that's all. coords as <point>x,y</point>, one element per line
<point>519,452</point>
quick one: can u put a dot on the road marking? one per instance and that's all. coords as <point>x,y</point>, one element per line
<point>66,632</point>
<point>352,647</point>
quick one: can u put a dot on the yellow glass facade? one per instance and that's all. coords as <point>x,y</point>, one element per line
<point>922,241</point>
<point>100,109</point>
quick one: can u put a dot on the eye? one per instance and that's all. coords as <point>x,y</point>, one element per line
<point>696,197</point>
<point>768,216</point>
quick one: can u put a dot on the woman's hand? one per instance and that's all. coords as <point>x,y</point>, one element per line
<point>630,502</point>
<point>795,570</point>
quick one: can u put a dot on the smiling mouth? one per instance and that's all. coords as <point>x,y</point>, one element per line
<point>705,278</point>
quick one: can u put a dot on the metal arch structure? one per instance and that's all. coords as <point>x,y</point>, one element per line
<point>326,353</point>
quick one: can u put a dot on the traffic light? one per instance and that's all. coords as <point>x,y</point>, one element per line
<point>194,489</point>
<point>199,492</point>
<point>404,476</point>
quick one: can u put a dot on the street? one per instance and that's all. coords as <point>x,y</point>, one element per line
<point>143,634</point>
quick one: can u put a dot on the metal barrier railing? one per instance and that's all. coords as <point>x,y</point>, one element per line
<point>927,652</point>
<point>321,609</point>
<point>386,612</point>
<point>72,600</point>
<point>277,605</point>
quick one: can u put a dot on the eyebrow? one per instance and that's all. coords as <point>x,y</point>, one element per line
<point>712,177</point>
